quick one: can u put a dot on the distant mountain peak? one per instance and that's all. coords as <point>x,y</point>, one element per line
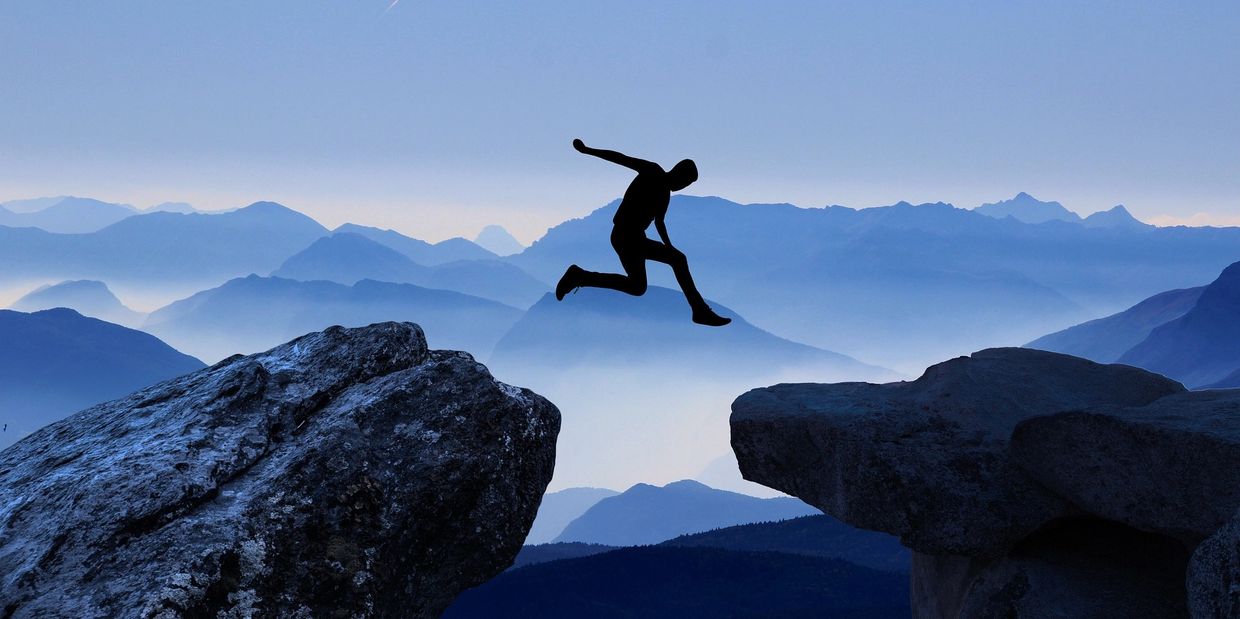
<point>265,205</point>
<point>1028,209</point>
<point>647,514</point>
<point>171,207</point>
<point>495,239</point>
<point>1115,217</point>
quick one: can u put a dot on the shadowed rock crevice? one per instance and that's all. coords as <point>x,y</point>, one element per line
<point>349,471</point>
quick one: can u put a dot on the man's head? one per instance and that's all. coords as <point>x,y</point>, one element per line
<point>682,175</point>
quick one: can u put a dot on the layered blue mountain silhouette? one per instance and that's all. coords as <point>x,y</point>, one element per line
<point>30,205</point>
<point>544,553</point>
<point>1105,340</point>
<point>1116,217</point>
<point>421,252</point>
<point>646,514</point>
<point>635,369</point>
<point>937,279</point>
<point>498,241</point>
<point>562,507</point>
<point>66,214</point>
<point>172,207</point>
<point>161,247</point>
<point>1191,335</point>
<point>87,297</point>
<point>1202,346</point>
<point>1231,381</point>
<point>674,582</point>
<point>819,535</point>
<point>764,561</point>
<point>1028,209</point>
<point>347,258</point>
<point>254,313</point>
<point>601,328</point>
<point>56,362</point>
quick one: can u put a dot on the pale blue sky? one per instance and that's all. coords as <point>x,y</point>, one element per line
<point>438,117</point>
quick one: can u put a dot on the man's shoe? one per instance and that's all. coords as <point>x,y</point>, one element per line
<point>568,282</point>
<point>708,317</point>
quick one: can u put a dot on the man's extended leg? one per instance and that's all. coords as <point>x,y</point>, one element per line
<point>702,313</point>
<point>632,282</point>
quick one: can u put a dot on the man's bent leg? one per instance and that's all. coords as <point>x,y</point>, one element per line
<point>632,282</point>
<point>702,313</point>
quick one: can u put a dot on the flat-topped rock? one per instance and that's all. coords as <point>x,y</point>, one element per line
<point>350,472</point>
<point>1028,484</point>
<point>928,460</point>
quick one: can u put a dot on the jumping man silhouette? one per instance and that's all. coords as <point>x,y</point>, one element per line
<point>645,201</point>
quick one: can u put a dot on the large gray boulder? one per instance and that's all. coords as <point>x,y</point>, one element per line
<point>928,460</point>
<point>1029,484</point>
<point>348,473</point>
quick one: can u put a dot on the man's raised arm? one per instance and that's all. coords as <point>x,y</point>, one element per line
<point>633,163</point>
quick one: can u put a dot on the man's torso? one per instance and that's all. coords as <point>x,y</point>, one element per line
<point>646,198</point>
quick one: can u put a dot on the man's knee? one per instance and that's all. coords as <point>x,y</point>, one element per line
<point>675,256</point>
<point>635,287</point>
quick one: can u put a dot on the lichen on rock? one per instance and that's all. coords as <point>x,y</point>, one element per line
<point>350,472</point>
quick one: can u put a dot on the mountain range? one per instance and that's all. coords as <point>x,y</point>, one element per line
<point>637,376</point>
<point>819,536</point>
<point>69,215</point>
<point>74,215</point>
<point>347,258</point>
<point>903,285</point>
<point>603,328</point>
<point>1106,339</point>
<point>1028,209</point>
<point>1201,347</point>
<point>1191,335</point>
<point>155,248</point>
<point>421,252</point>
<point>250,314</point>
<point>56,362</point>
<point>560,508</point>
<point>674,582</point>
<point>87,297</point>
<point>498,241</point>
<point>646,514</point>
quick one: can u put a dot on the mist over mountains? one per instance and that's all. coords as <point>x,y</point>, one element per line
<point>251,314</point>
<point>1191,335</point>
<point>158,248</point>
<point>642,378</point>
<point>646,514</point>
<point>347,257</point>
<point>937,279</point>
<point>594,328</point>
<point>421,252</point>
<point>824,294</point>
<point>88,297</point>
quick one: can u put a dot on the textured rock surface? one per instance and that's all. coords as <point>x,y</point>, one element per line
<point>928,460</point>
<point>348,473</point>
<point>1172,466</point>
<point>1031,484</point>
<point>1214,574</point>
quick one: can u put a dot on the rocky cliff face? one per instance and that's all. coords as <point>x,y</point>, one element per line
<point>350,472</point>
<point>1028,484</point>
